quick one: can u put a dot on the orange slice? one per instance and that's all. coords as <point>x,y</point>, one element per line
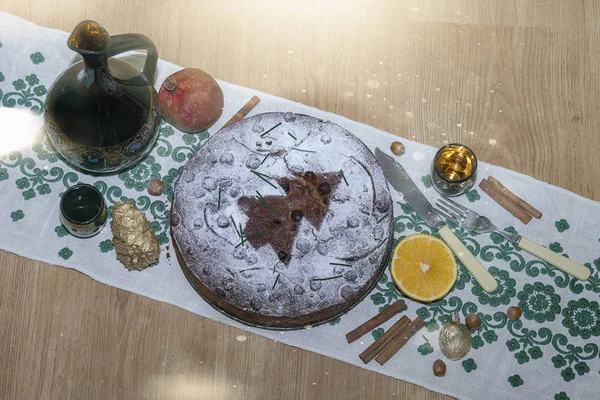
<point>423,267</point>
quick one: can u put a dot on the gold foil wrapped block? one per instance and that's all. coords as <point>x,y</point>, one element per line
<point>135,242</point>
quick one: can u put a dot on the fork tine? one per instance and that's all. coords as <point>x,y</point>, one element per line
<point>447,216</point>
<point>455,204</point>
<point>453,214</point>
<point>442,201</point>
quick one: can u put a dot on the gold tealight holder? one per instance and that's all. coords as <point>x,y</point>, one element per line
<point>454,169</point>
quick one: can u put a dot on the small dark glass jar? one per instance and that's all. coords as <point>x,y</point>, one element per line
<point>83,210</point>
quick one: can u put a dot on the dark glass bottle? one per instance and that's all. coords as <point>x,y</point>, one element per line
<point>101,113</point>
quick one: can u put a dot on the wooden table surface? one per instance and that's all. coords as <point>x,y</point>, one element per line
<point>516,80</point>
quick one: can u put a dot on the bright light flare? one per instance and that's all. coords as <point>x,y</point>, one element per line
<point>18,128</point>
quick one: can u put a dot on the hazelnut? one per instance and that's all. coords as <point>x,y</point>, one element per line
<point>439,368</point>
<point>514,313</point>
<point>155,187</point>
<point>397,148</point>
<point>473,322</point>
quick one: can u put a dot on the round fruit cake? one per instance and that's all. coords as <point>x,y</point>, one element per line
<point>282,220</point>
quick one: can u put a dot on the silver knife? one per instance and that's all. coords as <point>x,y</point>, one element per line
<point>397,177</point>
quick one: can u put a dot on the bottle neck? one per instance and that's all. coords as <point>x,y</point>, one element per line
<point>96,72</point>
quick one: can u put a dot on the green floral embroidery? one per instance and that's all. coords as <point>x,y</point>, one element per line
<point>441,309</point>
<point>555,247</point>
<point>26,94</point>
<point>17,215</point>
<point>568,374</point>
<point>562,225</point>
<point>43,148</point>
<point>163,146</point>
<point>65,253</point>
<point>593,282</point>
<point>32,80</point>
<point>192,143</point>
<point>469,365</point>
<point>426,181</point>
<point>581,368</point>
<point>37,179</point>
<point>504,293</point>
<point>473,196</point>
<point>539,302</point>
<point>37,58</point>
<point>513,344</point>
<point>61,231</point>
<point>138,177</point>
<point>582,318</point>
<point>559,361</point>
<point>386,292</point>
<point>3,174</point>
<point>106,246</point>
<point>425,349</point>
<point>522,357</point>
<point>515,380</point>
<point>409,220</point>
<point>432,326</point>
<point>377,333</point>
<point>528,340</point>
<point>476,342</point>
<point>572,357</point>
<point>169,180</point>
<point>535,353</point>
<point>561,396</point>
<point>1,77</point>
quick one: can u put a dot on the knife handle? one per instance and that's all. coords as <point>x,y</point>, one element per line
<point>481,275</point>
<point>560,262</point>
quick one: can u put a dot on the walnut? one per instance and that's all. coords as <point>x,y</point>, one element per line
<point>135,243</point>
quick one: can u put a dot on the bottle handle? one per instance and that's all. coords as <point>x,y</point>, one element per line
<point>136,41</point>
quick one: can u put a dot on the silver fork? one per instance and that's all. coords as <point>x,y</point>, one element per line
<point>470,220</point>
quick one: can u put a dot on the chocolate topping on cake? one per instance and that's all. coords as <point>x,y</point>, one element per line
<point>273,219</point>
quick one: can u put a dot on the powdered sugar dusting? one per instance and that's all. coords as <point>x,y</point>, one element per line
<point>356,231</point>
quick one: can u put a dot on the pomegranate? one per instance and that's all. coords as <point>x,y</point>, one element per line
<point>190,100</point>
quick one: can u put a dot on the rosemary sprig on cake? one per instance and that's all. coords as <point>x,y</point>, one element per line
<point>276,280</point>
<point>219,203</point>
<point>235,228</point>
<point>263,135</point>
<point>327,279</point>
<point>245,238</point>
<point>341,264</point>
<point>264,202</point>
<point>264,159</point>
<point>263,177</point>
<point>382,218</point>
<point>343,177</point>
<point>380,244</point>
<point>302,150</point>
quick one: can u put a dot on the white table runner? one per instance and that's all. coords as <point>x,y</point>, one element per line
<point>551,352</point>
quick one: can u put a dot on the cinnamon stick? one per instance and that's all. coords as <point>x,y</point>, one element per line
<point>504,201</point>
<point>374,349</point>
<point>400,340</point>
<point>520,202</point>
<point>377,320</point>
<point>243,111</point>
